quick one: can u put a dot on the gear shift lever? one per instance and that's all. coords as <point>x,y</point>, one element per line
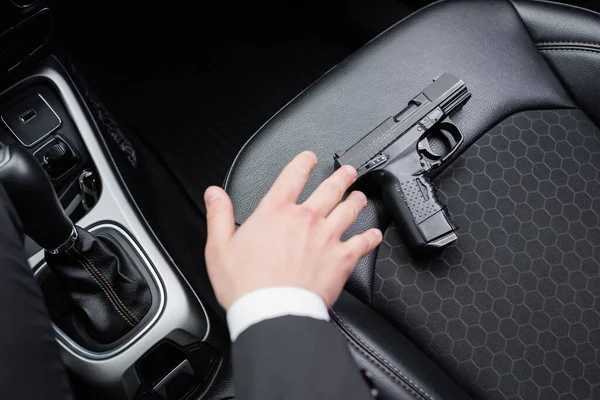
<point>109,294</point>
<point>41,213</point>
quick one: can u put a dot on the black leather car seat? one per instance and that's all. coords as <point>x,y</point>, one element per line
<point>512,310</point>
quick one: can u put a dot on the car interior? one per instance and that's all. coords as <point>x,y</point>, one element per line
<point>120,114</point>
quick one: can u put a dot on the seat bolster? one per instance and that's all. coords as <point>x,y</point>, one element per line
<point>399,370</point>
<point>569,38</point>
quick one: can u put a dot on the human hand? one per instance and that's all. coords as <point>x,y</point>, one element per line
<point>284,243</point>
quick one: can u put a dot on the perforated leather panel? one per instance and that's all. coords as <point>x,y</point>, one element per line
<point>513,309</point>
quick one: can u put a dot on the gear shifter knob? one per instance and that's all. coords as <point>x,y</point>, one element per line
<point>34,198</point>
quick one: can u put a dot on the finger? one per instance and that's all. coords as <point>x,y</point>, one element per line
<point>330,191</point>
<point>291,181</point>
<point>359,246</point>
<point>346,213</point>
<point>219,217</point>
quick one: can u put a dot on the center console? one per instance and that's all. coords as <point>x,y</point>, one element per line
<point>158,350</point>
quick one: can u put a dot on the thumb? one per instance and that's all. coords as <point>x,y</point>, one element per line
<point>219,217</point>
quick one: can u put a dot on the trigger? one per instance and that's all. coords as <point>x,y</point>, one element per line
<point>425,147</point>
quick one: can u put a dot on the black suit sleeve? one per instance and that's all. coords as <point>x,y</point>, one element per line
<point>295,358</point>
<point>29,355</point>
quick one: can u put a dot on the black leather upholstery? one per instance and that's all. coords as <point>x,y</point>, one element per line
<point>498,61</point>
<point>549,21</point>
<point>569,38</point>
<point>399,368</point>
<point>111,296</point>
<point>487,44</point>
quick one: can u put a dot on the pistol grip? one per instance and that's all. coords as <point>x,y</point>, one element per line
<point>422,220</point>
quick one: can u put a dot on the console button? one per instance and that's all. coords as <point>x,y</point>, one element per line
<point>31,120</point>
<point>57,157</point>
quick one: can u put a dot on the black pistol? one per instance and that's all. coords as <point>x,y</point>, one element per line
<point>399,154</point>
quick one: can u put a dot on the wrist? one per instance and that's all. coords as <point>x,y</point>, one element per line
<point>273,302</point>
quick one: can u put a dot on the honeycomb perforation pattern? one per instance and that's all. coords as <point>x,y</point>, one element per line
<point>512,310</point>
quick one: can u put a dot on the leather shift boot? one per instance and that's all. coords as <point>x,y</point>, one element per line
<point>109,293</point>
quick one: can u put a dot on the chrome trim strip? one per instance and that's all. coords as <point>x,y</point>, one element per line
<point>67,244</point>
<point>182,366</point>
<point>28,4</point>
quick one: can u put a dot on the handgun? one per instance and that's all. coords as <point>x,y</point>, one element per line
<point>399,154</point>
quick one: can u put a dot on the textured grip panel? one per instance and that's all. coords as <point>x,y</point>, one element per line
<point>421,198</point>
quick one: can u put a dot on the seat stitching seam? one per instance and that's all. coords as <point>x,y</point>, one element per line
<point>86,267</point>
<point>130,314</point>
<point>375,362</point>
<point>574,50</point>
<point>567,43</point>
<point>381,359</point>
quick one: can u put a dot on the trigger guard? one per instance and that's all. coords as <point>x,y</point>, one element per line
<point>446,125</point>
<point>429,159</point>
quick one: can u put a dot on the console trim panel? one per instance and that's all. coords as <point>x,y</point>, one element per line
<point>183,314</point>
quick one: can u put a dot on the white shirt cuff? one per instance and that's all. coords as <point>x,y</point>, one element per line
<point>273,302</point>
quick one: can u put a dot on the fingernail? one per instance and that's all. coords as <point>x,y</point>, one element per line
<point>308,153</point>
<point>351,171</point>
<point>212,194</point>
<point>377,233</point>
<point>360,197</point>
